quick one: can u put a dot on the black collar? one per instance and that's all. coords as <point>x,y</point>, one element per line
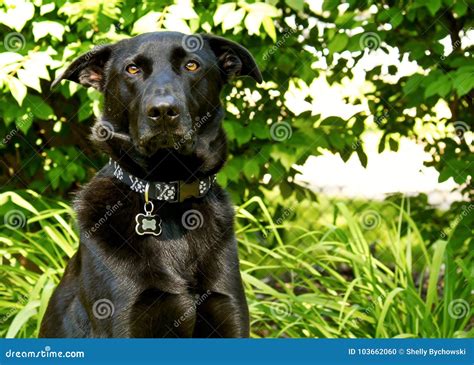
<point>172,192</point>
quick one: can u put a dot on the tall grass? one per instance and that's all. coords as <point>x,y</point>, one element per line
<point>302,278</point>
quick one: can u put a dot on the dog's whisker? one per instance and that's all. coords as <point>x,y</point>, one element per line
<point>122,136</point>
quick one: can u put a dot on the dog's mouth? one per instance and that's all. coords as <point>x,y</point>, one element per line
<point>182,143</point>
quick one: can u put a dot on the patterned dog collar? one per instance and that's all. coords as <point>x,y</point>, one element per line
<point>173,192</point>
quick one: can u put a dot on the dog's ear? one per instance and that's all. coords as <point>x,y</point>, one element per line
<point>88,69</point>
<point>234,59</point>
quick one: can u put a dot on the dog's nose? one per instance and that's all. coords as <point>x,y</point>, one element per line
<point>163,108</point>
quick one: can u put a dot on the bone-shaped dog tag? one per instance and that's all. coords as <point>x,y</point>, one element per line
<point>148,223</point>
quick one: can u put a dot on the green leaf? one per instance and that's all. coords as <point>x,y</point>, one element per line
<point>256,14</point>
<point>42,29</point>
<point>336,140</point>
<point>17,15</point>
<point>229,129</point>
<point>54,176</point>
<point>397,19</point>
<point>463,81</point>
<point>434,270</point>
<point>232,169</point>
<point>333,121</point>
<point>338,43</point>
<point>233,19</point>
<point>29,79</point>
<point>389,301</point>
<point>269,28</point>
<point>285,189</point>
<point>457,169</point>
<point>223,11</point>
<point>39,107</point>
<point>330,5</point>
<point>259,129</point>
<point>85,112</point>
<point>433,6</point>
<point>358,127</point>
<point>412,84</point>
<point>243,133</point>
<point>222,179</point>
<point>297,5</point>
<point>440,86</point>
<point>23,316</point>
<point>17,88</point>
<point>18,200</point>
<point>251,169</point>
<point>393,144</point>
<point>24,124</point>
<point>147,23</point>
<point>362,156</point>
<point>37,64</point>
<point>264,9</point>
<point>460,8</point>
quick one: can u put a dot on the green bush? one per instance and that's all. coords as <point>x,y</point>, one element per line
<point>46,146</point>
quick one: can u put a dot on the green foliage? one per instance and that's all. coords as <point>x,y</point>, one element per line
<point>36,242</point>
<point>41,37</point>
<point>354,276</point>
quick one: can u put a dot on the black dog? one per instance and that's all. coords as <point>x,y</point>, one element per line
<point>158,255</point>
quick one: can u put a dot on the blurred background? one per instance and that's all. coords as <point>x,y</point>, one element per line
<point>350,166</point>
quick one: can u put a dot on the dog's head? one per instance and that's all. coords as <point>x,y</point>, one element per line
<point>161,90</point>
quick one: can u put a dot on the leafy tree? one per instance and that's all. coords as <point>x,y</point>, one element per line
<point>46,145</point>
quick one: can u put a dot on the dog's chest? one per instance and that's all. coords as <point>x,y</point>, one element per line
<point>171,262</point>
<point>191,233</point>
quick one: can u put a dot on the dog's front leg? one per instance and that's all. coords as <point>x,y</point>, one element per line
<point>222,315</point>
<point>221,309</point>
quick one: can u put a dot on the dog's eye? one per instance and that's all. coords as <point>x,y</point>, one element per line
<point>191,66</point>
<point>132,69</point>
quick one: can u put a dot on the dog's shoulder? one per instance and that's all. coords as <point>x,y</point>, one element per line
<point>104,202</point>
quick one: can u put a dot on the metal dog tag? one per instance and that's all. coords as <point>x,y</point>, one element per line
<point>148,223</point>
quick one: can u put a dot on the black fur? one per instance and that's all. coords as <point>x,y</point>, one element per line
<point>183,283</point>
